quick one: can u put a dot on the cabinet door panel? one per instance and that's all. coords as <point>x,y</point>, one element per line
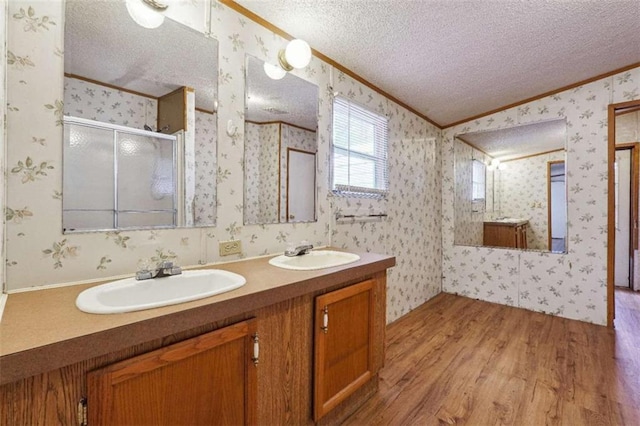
<point>205,380</point>
<point>343,355</point>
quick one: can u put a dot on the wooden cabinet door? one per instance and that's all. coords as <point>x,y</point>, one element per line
<point>206,380</point>
<point>343,344</point>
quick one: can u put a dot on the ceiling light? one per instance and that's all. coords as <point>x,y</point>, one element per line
<point>146,13</point>
<point>273,71</point>
<point>296,55</point>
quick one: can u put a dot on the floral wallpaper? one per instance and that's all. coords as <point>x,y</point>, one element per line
<point>251,172</point>
<point>292,137</point>
<point>206,161</point>
<point>266,186</point>
<point>523,194</point>
<point>571,285</point>
<point>412,229</point>
<point>469,214</point>
<point>262,144</point>
<point>189,141</point>
<point>101,103</point>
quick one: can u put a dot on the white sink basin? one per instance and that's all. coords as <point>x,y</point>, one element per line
<point>314,260</point>
<point>130,295</point>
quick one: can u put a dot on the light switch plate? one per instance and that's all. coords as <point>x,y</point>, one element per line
<point>228,248</point>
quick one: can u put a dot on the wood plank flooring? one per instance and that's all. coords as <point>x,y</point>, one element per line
<point>456,360</point>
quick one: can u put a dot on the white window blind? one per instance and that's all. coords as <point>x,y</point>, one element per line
<point>478,181</point>
<point>359,150</point>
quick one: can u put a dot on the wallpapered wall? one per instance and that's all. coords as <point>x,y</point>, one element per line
<point>292,137</point>
<point>523,194</point>
<point>261,149</point>
<point>266,150</point>
<point>412,230</point>
<point>39,254</point>
<point>571,285</point>
<point>469,214</point>
<point>205,168</point>
<point>100,103</point>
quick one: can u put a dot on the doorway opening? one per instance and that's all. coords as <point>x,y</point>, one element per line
<point>301,183</point>
<point>626,213</point>
<point>618,138</point>
<point>557,206</point>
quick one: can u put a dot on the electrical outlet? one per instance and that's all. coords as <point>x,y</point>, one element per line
<point>228,248</point>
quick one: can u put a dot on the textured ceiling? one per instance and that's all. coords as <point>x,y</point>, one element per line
<point>103,43</point>
<point>454,59</point>
<point>519,141</point>
<point>291,99</point>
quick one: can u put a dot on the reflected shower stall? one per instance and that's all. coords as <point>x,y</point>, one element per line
<point>116,177</point>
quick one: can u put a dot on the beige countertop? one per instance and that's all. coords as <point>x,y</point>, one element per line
<point>43,330</point>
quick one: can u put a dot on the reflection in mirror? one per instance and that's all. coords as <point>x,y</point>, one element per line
<point>281,119</point>
<point>140,124</point>
<point>510,187</point>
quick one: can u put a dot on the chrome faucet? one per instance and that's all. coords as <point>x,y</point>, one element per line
<point>164,269</point>
<point>298,250</point>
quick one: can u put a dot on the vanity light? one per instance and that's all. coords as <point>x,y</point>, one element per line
<point>273,71</point>
<point>146,13</point>
<point>296,55</point>
<point>495,164</point>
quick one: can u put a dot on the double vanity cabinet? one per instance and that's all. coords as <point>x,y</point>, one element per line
<point>289,347</point>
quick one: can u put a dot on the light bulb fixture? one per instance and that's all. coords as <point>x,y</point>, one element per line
<point>495,165</point>
<point>273,71</point>
<point>296,55</point>
<point>146,13</point>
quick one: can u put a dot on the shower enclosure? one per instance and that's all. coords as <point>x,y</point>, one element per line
<point>116,177</point>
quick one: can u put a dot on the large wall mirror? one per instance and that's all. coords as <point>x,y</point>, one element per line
<point>511,187</point>
<point>140,122</point>
<point>281,120</point>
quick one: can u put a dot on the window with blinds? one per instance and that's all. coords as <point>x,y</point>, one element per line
<point>359,151</point>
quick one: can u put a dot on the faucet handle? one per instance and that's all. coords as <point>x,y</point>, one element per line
<point>143,275</point>
<point>166,264</point>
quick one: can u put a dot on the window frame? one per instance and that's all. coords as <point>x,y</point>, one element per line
<point>475,182</point>
<point>379,159</point>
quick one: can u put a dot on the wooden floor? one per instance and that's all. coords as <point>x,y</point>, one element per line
<point>456,360</point>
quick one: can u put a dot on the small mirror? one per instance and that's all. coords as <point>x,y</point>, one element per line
<point>281,120</point>
<point>510,187</point>
<point>140,122</point>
